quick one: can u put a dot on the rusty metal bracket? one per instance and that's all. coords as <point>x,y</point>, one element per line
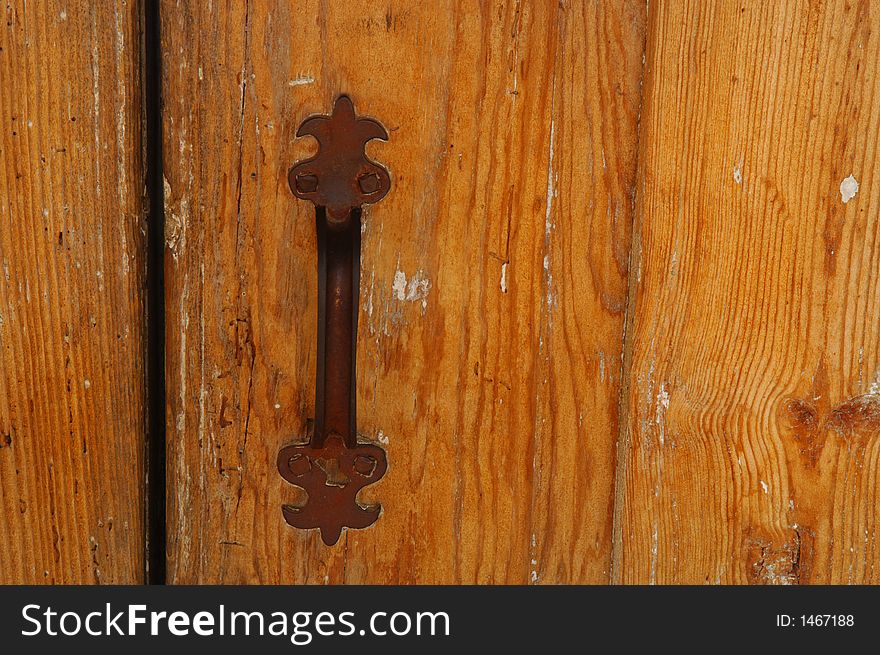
<point>334,465</point>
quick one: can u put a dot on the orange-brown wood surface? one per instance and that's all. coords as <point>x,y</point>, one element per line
<point>619,316</point>
<point>750,448</point>
<point>71,294</point>
<point>494,282</point>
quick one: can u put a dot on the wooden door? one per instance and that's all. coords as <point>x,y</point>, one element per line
<point>619,315</point>
<point>526,140</point>
<point>493,283</point>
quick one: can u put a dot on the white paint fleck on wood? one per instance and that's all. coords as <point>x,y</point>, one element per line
<point>414,290</point>
<point>398,287</point>
<point>849,187</point>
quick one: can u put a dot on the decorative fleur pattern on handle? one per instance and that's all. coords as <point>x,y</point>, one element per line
<point>334,465</point>
<point>341,176</point>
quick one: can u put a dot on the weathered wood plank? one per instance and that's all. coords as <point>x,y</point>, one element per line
<point>493,282</point>
<point>751,447</point>
<point>71,294</point>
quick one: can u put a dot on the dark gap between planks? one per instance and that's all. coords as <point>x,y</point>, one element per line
<point>155,559</point>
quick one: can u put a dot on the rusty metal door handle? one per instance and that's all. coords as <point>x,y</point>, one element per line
<point>333,466</point>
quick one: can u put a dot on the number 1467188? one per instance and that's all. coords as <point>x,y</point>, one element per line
<point>815,620</point>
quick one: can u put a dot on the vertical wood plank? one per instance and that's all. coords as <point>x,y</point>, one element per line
<point>751,446</point>
<point>590,195</point>
<point>493,282</point>
<point>71,293</point>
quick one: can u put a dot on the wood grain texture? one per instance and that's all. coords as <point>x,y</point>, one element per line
<point>493,282</point>
<point>751,421</point>
<point>71,294</point>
